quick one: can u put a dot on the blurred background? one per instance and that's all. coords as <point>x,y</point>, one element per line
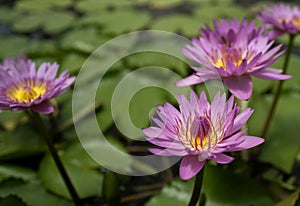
<point>67,32</point>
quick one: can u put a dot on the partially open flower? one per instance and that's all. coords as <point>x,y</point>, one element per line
<point>200,131</point>
<point>22,87</point>
<point>282,19</point>
<point>233,52</point>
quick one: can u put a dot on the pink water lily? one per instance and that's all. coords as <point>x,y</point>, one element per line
<point>200,131</point>
<point>282,19</point>
<point>234,52</point>
<point>23,87</point>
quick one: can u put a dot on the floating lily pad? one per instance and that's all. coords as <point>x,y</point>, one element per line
<point>123,21</point>
<point>184,24</point>
<point>277,149</point>
<point>45,5</point>
<point>99,6</point>
<point>220,187</point>
<point>31,193</point>
<point>51,22</point>
<point>83,39</point>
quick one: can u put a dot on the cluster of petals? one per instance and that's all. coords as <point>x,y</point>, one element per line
<point>200,131</point>
<point>23,87</point>
<point>235,51</point>
<point>282,19</point>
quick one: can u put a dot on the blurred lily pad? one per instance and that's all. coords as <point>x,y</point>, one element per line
<point>32,193</point>
<point>184,24</point>
<point>82,39</point>
<point>8,15</point>
<point>281,145</point>
<point>290,200</point>
<point>73,62</point>
<point>123,21</point>
<point>78,172</point>
<point>99,6</point>
<point>13,46</point>
<point>220,187</point>
<point>21,142</point>
<point>51,21</point>
<point>38,6</point>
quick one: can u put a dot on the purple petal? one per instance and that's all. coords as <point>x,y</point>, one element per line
<point>152,131</point>
<point>168,152</point>
<point>240,86</point>
<point>222,158</point>
<point>270,74</point>
<point>44,108</point>
<point>240,120</point>
<point>190,166</point>
<point>249,142</point>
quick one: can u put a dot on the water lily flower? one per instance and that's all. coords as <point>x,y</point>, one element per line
<point>200,131</point>
<point>281,19</point>
<point>22,87</point>
<point>234,52</point>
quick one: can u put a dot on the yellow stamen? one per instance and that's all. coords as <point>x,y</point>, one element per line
<point>296,21</point>
<point>26,92</point>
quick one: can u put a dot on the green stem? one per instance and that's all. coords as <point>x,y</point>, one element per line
<point>197,188</point>
<point>41,125</point>
<point>279,88</point>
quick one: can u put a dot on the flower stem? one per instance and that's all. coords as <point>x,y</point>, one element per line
<point>197,188</point>
<point>41,125</point>
<point>279,88</point>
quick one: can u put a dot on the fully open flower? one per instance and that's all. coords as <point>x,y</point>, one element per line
<point>200,131</point>
<point>233,52</point>
<point>22,87</point>
<point>282,19</point>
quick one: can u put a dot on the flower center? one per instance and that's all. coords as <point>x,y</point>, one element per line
<point>197,134</point>
<point>294,20</point>
<point>26,92</point>
<point>232,55</point>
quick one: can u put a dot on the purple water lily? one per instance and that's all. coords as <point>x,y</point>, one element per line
<point>199,131</point>
<point>234,52</point>
<point>22,87</point>
<point>281,19</point>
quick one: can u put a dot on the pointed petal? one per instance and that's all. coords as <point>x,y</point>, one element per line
<point>190,166</point>
<point>249,142</point>
<point>240,86</point>
<point>270,74</point>
<point>240,120</point>
<point>222,158</point>
<point>43,108</point>
<point>168,152</point>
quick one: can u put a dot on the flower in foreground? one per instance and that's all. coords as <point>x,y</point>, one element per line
<point>200,131</point>
<point>234,52</point>
<point>22,87</point>
<point>282,19</point>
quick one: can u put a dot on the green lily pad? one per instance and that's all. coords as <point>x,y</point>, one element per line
<point>220,187</point>
<point>73,62</point>
<point>123,21</point>
<point>12,200</point>
<point>16,172</point>
<point>20,142</point>
<point>185,24</point>
<point>40,6</point>
<point>290,200</point>
<point>31,193</point>
<point>281,145</point>
<point>52,22</point>
<point>13,46</point>
<point>82,39</point>
<point>88,6</point>
<point>78,173</point>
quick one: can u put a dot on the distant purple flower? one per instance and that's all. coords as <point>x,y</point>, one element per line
<point>200,131</point>
<point>282,19</point>
<point>22,87</point>
<point>234,52</point>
